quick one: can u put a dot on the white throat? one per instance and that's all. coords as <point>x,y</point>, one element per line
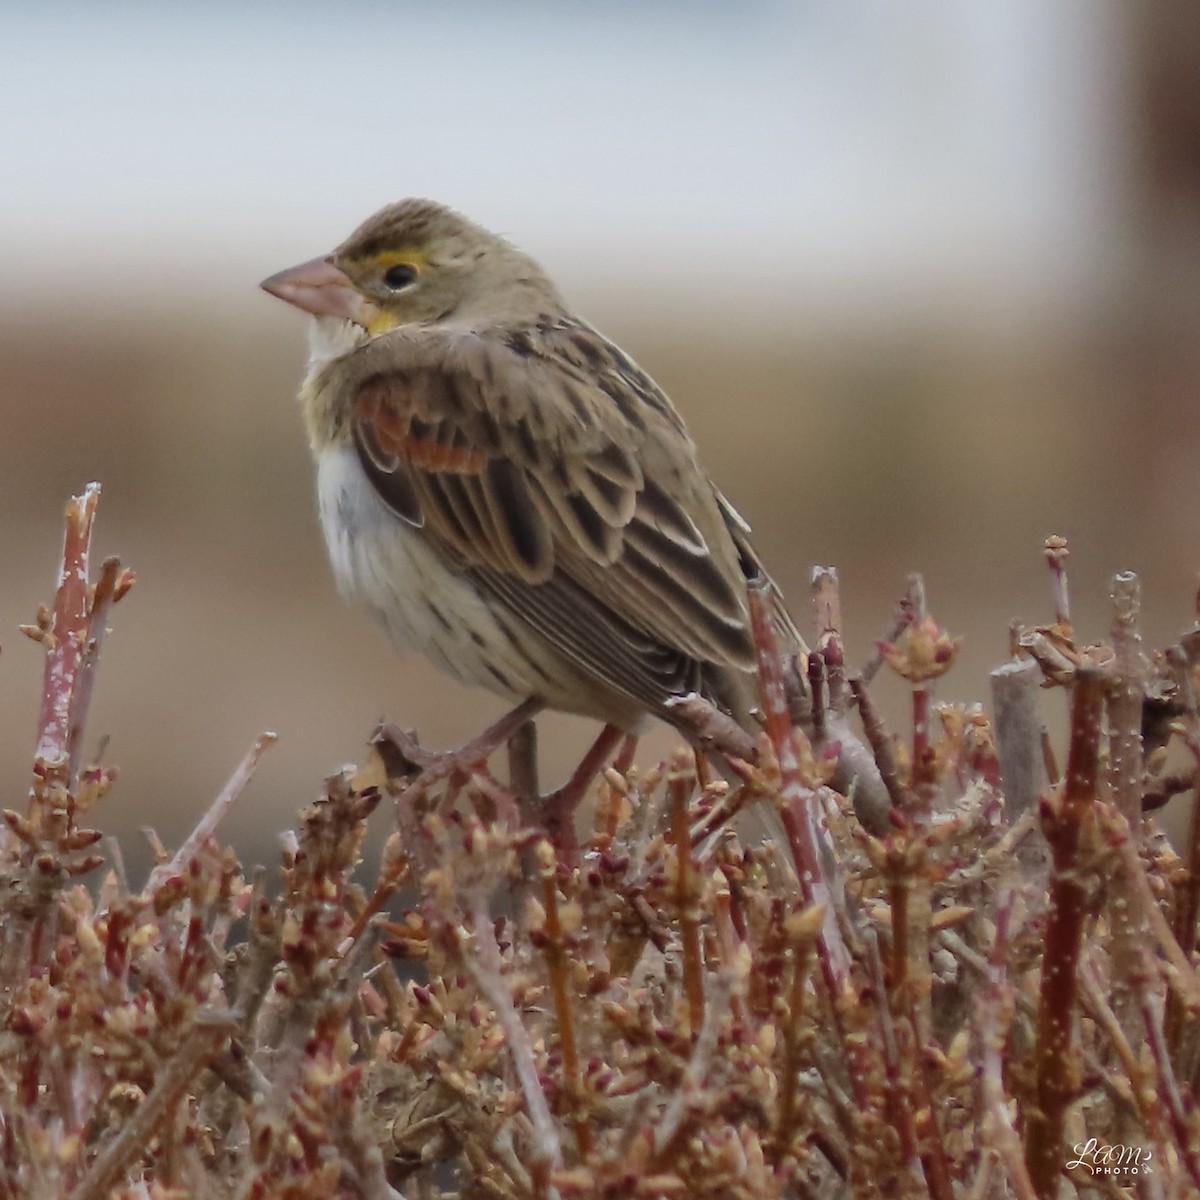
<point>330,338</point>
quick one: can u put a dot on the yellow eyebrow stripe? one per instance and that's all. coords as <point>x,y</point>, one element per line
<point>409,256</point>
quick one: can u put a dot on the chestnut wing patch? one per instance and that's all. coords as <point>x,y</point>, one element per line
<point>599,532</point>
<point>431,471</point>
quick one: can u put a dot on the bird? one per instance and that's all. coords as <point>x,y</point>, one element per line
<point>507,491</point>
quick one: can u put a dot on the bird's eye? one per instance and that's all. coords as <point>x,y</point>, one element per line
<point>399,277</point>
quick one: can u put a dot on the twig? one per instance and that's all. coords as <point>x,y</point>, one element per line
<point>1141,1088</point>
<point>404,757</point>
<point>858,776</point>
<point>65,637</point>
<point>112,585</point>
<point>925,653</point>
<point>921,755</point>
<point>1162,789</point>
<point>1168,1088</point>
<point>209,1030</point>
<point>709,729</point>
<point>1018,733</point>
<point>1056,1055</point>
<point>557,968</point>
<point>558,807</point>
<point>804,933</point>
<point>1182,976</point>
<point>1050,761</point>
<point>1126,694</point>
<point>207,825</point>
<point>1057,552</point>
<point>366,1157</point>
<point>1188,914</point>
<point>523,772</point>
<point>881,745</point>
<point>487,967</point>
<point>827,607</point>
<point>899,1102</point>
<point>731,933</point>
<point>817,694</point>
<point>672,1122</point>
<point>727,806</point>
<point>1125,699</point>
<point>901,619</point>
<point>688,902</point>
<point>828,696</point>
<point>1050,650</point>
<point>392,870</point>
<point>797,807</point>
<point>993,1019</point>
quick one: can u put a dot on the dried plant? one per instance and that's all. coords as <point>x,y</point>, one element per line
<point>954,975</point>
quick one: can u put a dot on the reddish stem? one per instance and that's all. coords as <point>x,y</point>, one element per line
<point>67,636</point>
<point>797,811</point>
<point>1056,1054</point>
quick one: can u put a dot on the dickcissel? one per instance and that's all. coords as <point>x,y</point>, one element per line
<point>509,492</point>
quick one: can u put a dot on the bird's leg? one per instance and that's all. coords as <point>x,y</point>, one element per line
<point>523,773</point>
<point>558,806</point>
<point>624,759</point>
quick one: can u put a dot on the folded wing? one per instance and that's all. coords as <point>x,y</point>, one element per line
<point>548,466</point>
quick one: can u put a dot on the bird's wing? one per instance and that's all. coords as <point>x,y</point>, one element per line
<point>547,465</point>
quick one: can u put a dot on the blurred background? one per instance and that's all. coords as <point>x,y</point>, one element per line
<point>924,280</point>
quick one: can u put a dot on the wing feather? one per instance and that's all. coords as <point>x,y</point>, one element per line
<point>584,514</point>
<point>523,533</point>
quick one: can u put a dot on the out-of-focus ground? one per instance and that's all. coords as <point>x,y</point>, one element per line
<point>884,439</point>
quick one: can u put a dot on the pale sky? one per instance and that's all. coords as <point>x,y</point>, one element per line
<point>845,150</point>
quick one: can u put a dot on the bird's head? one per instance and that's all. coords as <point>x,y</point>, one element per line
<point>415,263</point>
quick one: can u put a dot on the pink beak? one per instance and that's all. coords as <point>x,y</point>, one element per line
<point>317,287</point>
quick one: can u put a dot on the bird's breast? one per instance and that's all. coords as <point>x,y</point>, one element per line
<point>378,560</point>
<point>424,604</point>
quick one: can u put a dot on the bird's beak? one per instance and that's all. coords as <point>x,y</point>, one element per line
<point>317,287</point>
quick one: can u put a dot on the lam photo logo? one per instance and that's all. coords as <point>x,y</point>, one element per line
<point>1102,1159</point>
